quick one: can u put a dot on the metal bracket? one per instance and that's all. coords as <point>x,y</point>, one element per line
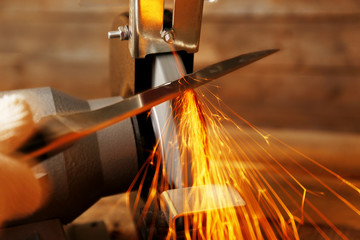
<point>146,20</point>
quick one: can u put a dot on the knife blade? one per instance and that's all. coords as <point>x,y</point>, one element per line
<point>56,132</point>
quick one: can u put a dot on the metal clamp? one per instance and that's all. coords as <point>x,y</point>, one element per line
<point>146,24</point>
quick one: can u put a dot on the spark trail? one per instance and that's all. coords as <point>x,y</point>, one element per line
<point>219,147</point>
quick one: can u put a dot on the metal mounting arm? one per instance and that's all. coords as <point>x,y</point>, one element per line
<point>146,24</point>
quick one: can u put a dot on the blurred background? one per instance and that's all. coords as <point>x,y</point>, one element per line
<point>312,83</point>
<point>308,94</point>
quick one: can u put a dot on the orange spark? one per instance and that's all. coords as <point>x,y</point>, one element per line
<point>255,164</point>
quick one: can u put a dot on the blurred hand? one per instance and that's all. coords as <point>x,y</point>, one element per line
<point>20,192</point>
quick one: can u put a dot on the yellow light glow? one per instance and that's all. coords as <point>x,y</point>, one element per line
<point>268,174</point>
<point>151,14</point>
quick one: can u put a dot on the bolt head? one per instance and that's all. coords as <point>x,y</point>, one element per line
<point>168,35</point>
<point>123,33</point>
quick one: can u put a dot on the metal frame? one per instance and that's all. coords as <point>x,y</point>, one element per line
<point>146,20</point>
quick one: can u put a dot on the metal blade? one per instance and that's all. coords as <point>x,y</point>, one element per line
<point>222,68</point>
<point>59,130</point>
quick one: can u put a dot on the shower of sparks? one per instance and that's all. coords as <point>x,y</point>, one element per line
<point>281,187</point>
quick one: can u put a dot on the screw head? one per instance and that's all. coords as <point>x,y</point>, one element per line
<point>168,35</point>
<point>123,33</point>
